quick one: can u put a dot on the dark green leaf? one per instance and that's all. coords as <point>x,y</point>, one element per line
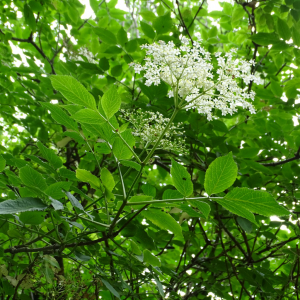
<point>21,205</point>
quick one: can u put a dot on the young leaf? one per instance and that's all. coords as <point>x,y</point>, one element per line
<point>220,175</point>
<point>88,116</point>
<point>111,102</point>
<point>87,176</point>
<point>181,179</point>
<point>259,202</point>
<point>21,205</point>
<point>73,90</point>
<point>163,220</point>
<point>60,116</point>
<point>50,155</point>
<point>151,259</point>
<point>107,179</point>
<point>32,178</point>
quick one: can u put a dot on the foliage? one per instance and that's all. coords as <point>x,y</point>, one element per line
<point>113,187</point>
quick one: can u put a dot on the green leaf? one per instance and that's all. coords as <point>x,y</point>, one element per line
<point>163,221</point>
<point>104,63</point>
<point>106,36</point>
<point>21,205</point>
<point>265,39</point>
<point>32,217</point>
<point>73,90</point>
<point>237,209</point>
<point>60,116</point>
<point>29,17</point>
<point>48,272</point>
<point>135,248</point>
<point>259,202</point>
<point>202,206</point>
<point>283,29</point>
<point>122,36</point>
<point>74,201</point>
<point>163,24</point>
<point>131,46</point>
<point>248,152</point>
<point>140,198</point>
<point>131,164</point>
<point>51,260</point>
<point>50,155</point>
<point>149,190</point>
<point>55,190</point>
<point>111,102</point>
<point>111,288</point>
<point>32,178</point>
<point>276,88</point>
<point>148,30</point>
<point>120,150</point>
<point>151,259</point>
<point>2,163</point>
<point>296,36</point>
<point>159,286</point>
<point>245,224</point>
<point>88,116</point>
<point>220,175</point>
<point>181,179</point>
<point>107,179</point>
<point>87,176</point>
<point>116,70</point>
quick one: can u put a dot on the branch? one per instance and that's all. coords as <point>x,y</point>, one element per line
<point>274,164</point>
<point>200,7</point>
<point>13,250</point>
<point>182,22</point>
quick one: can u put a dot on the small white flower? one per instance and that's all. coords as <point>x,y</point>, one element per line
<point>148,126</point>
<point>189,72</point>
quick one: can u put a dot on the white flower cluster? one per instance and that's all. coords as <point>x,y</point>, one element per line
<point>148,126</point>
<point>189,71</point>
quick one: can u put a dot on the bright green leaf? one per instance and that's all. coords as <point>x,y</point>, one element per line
<point>107,179</point>
<point>88,116</point>
<point>60,116</point>
<point>87,176</point>
<point>220,175</point>
<point>163,220</point>
<point>73,90</point>
<point>111,102</point>
<point>181,179</point>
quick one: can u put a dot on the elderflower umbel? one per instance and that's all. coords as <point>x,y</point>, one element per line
<point>188,70</point>
<point>149,125</point>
